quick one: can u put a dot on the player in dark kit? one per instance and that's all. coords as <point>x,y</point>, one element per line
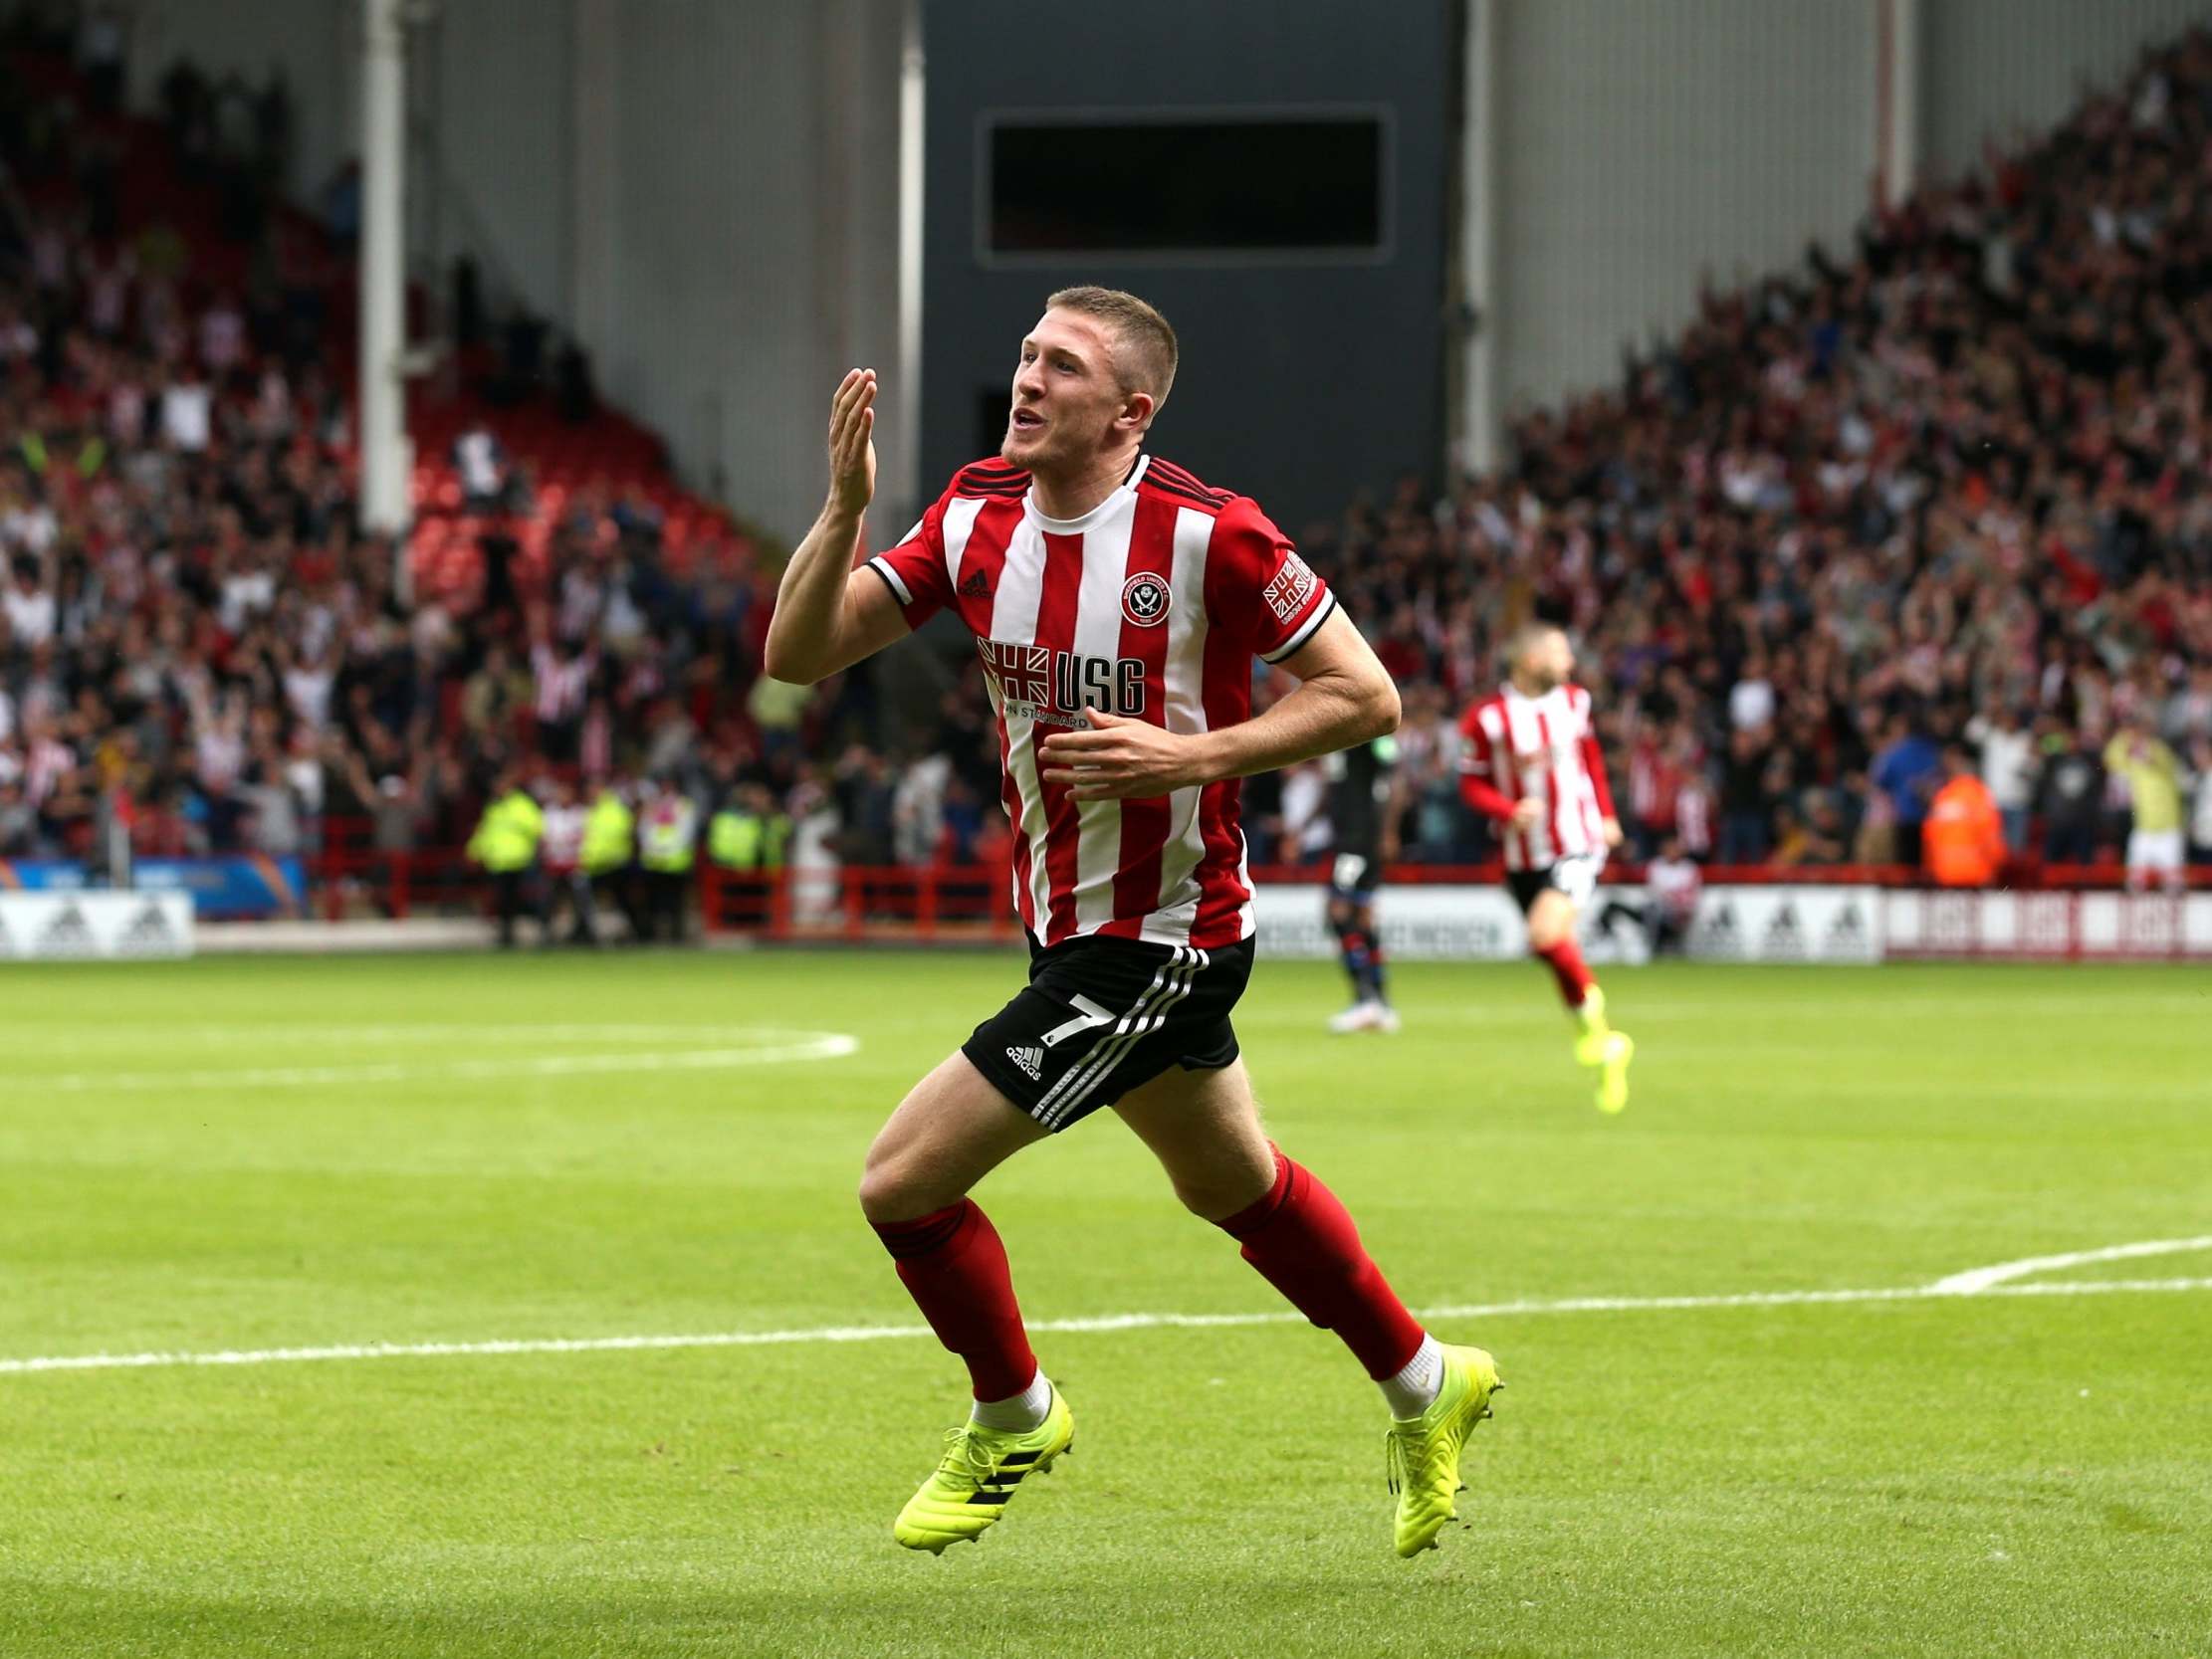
<point>1117,605</point>
<point>1363,813</point>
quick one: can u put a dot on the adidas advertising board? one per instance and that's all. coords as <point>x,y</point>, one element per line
<point>1427,923</point>
<point>94,925</point>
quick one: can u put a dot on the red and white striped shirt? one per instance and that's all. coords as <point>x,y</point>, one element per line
<point>1151,605</point>
<point>1521,748</point>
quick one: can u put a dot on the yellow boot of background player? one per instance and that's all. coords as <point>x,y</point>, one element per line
<point>1590,1047</point>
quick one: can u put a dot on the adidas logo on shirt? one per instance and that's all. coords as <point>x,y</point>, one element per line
<point>1030,1059</point>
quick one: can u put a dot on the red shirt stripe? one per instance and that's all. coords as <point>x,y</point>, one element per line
<point>1063,575</point>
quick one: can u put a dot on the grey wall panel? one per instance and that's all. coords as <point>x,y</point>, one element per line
<point>313,42</point>
<point>502,90</point>
<point>1999,68</point>
<point>749,257</point>
<point>1300,382</point>
<point>1643,145</point>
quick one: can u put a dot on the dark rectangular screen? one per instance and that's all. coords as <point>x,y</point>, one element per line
<point>1186,186</point>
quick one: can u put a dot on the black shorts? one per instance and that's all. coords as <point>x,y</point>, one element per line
<point>1354,877</point>
<point>1101,1016</point>
<point>1577,878</point>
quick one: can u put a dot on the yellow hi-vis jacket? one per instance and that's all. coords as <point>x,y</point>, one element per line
<point>607,833</point>
<point>746,841</point>
<point>505,839</point>
<point>666,837</point>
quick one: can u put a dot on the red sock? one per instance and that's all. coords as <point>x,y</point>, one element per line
<point>955,1268</point>
<point>1304,1244</point>
<point>1572,972</point>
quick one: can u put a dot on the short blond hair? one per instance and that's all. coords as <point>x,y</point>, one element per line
<point>1144,344</point>
<point>1522,640</point>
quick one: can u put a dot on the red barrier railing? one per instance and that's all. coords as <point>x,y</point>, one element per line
<point>945,904</point>
<point>930,904</point>
<point>974,903</point>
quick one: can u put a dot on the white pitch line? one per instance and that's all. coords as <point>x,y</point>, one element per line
<point>1978,1278</point>
<point>816,1045</point>
<point>1093,1324</point>
<point>102,1039</point>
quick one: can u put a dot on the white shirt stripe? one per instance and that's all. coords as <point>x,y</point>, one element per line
<point>1184,690</point>
<point>1098,634</point>
<point>1546,759</point>
<point>1013,621</point>
<point>959,525</point>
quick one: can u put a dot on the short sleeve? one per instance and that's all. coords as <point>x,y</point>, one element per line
<point>1258,588</point>
<point>1475,751</point>
<point>914,571</point>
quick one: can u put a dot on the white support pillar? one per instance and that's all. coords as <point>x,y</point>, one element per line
<point>386,457</point>
<point>1480,418</point>
<point>1898,98</point>
<point>906,479</point>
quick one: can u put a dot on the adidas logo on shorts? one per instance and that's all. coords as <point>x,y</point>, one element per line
<point>1030,1059</point>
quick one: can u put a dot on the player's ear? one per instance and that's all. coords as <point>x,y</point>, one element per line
<point>1137,410</point>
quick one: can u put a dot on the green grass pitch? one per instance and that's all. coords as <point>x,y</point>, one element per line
<point>246,1156</point>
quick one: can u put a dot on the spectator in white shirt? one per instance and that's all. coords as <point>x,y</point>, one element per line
<point>2008,769</point>
<point>29,607</point>
<point>482,464</point>
<point>249,589</point>
<point>1751,702</point>
<point>187,413</point>
<point>917,809</point>
<point>28,524</point>
<point>307,682</point>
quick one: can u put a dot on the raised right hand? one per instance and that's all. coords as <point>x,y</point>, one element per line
<point>852,449</point>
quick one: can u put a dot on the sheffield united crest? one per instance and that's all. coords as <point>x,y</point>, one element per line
<point>1144,601</point>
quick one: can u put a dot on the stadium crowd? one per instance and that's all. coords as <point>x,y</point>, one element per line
<point>199,650</point>
<point>1954,489</point>
<point>1942,508</point>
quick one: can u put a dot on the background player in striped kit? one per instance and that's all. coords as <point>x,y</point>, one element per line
<point>1531,767</point>
<point>1117,605</point>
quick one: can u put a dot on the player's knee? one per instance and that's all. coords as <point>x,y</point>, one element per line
<point>1546,928</point>
<point>1211,1201</point>
<point>890,1189</point>
<point>1216,1193</point>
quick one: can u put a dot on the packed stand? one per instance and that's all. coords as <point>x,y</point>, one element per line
<point>200,651</point>
<point>1925,530</point>
<point>1919,536</point>
<point>1951,493</point>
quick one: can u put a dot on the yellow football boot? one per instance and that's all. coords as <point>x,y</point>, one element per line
<point>1590,1020</point>
<point>1613,1074</point>
<point>977,1478</point>
<point>1423,1452</point>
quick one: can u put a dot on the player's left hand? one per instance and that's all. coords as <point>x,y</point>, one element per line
<point>1119,759</point>
<point>1609,828</point>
